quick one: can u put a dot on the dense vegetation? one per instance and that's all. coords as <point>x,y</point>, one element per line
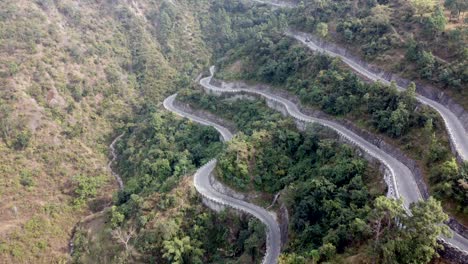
<point>415,37</point>
<point>159,211</point>
<point>237,23</point>
<point>330,192</point>
<point>319,81</point>
<point>160,150</point>
<point>270,153</point>
<point>322,82</point>
<point>74,72</point>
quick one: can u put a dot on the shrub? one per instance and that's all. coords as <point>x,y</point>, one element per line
<point>86,187</point>
<point>327,251</point>
<point>26,178</point>
<point>22,139</point>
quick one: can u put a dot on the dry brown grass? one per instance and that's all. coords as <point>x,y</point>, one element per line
<point>72,49</point>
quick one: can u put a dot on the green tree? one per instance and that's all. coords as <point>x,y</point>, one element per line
<point>13,68</point>
<point>117,217</point>
<point>426,63</point>
<point>380,19</point>
<point>435,23</point>
<point>162,168</point>
<point>413,50</point>
<point>439,19</point>
<point>422,7</point>
<point>422,230</point>
<point>322,29</point>
<point>6,121</point>
<point>399,120</point>
<point>22,139</point>
<point>382,220</point>
<point>26,178</point>
<point>327,251</point>
<point>183,165</point>
<point>409,95</point>
<point>177,251</point>
<point>456,7</point>
<point>417,241</point>
<point>86,187</point>
<point>429,127</point>
<point>165,26</point>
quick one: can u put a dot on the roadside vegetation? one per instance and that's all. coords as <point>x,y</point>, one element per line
<point>159,217</point>
<point>421,39</point>
<point>74,74</point>
<point>334,197</point>
<point>261,53</point>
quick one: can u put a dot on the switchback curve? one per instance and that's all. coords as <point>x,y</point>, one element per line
<point>457,132</point>
<point>203,185</point>
<point>403,183</point>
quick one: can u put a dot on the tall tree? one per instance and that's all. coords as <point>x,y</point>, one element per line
<point>436,23</point>
<point>400,237</point>
<point>422,7</point>
<point>399,120</point>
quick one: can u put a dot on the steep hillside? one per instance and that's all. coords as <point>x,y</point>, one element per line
<point>159,210</point>
<point>421,40</point>
<point>327,189</point>
<point>71,73</point>
<point>74,74</point>
<point>260,52</point>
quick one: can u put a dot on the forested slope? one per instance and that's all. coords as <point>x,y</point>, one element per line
<point>75,74</point>
<point>330,191</point>
<point>422,40</point>
<point>159,210</point>
<point>71,72</point>
<point>267,56</point>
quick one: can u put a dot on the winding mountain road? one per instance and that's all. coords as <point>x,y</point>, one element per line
<point>458,134</point>
<point>402,183</point>
<point>204,187</point>
<point>455,128</point>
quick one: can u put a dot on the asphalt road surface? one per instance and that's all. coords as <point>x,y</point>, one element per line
<point>402,184</point>
<point>204,187</point>
<point>458,134</point>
